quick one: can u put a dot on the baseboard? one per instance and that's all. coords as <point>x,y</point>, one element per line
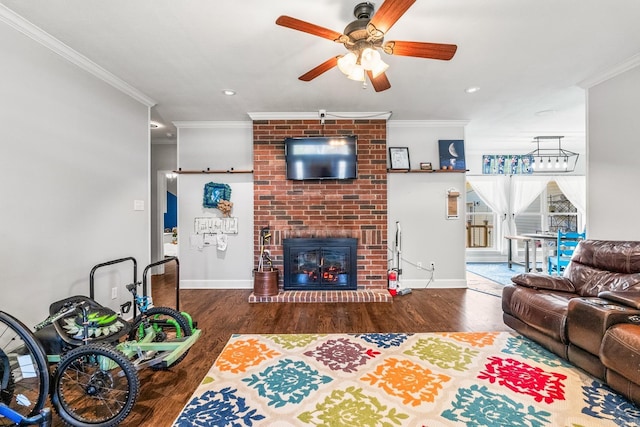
<point>438,284</point>
<point>216,284</point>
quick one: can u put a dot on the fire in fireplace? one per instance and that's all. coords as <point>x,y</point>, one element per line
<point>320,264</point>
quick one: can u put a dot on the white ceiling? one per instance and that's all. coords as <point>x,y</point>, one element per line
<point>527,56</point>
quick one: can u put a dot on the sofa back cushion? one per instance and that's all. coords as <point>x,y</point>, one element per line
<point>604,265</point>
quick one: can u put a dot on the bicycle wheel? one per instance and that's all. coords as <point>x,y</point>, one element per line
<point>168,324</point>
<point>24,376</point>
<point>94,385</point>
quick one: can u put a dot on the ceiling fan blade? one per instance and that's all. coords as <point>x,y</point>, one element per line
<point>421,50</point>
<point>306,27</point>
<point>325,66</point>
<point>387,15</point>
<point>379,83</point>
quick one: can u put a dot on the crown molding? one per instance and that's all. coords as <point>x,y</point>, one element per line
<point>212,125</point>
<point>20,24</point>
<point>315,115</point>
<point>427,123</point>
<point>623,67</point>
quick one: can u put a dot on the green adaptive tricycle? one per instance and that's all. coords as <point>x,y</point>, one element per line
<point>96,353</point>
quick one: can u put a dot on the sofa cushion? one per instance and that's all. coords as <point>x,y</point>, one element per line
<point>543,281</point>
<point>609,255</point>
<point>604,265</point>
<point>590,281</point>
<point>543,310</point>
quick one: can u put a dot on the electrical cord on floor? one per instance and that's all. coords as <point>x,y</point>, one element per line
<point>419,267</point>
<point>427,269</point>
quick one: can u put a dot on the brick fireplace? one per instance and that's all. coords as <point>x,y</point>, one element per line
<point>324,208</point>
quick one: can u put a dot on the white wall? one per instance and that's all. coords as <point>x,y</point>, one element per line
<point>613,201</point>
<point>418,202</point>
<point>75,156</point>
<point>217,146</point>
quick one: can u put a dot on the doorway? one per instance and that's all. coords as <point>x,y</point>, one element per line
<point>168,212</point>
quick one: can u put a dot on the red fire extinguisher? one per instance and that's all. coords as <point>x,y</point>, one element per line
<point>393,279</point>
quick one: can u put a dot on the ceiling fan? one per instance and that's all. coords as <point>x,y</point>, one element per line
<point>363,38</point>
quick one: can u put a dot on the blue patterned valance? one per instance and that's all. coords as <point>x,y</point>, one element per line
<point>507,164</point>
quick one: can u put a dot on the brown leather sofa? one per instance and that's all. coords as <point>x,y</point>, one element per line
<point>590,315</point>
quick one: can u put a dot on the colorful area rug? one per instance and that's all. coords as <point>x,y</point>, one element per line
<point>439,379</point>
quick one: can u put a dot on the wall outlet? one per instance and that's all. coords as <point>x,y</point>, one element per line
<point>433,266</point>
<point>114,293</point>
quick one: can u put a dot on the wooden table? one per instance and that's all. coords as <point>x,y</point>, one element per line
<point>542,237</point>
<point>526,241</point>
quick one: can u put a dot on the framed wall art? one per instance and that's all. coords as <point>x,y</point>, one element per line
<point>452,154</point>
<point>399,158</point>
<point>214,193</point>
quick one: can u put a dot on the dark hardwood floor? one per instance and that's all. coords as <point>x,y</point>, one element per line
<point>220,313</point>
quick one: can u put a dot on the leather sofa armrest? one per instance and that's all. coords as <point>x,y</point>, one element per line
<point>628,298</point>
<point>544,281</point>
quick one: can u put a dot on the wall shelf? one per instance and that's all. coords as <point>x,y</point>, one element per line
<point>426,171</point>
<point>180,171</point>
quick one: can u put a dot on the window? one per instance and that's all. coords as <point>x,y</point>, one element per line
<point>557,213</point>
<point>549,212</point>
<point>531,220</point>
<point>561,214</point>
<point>480,222</point>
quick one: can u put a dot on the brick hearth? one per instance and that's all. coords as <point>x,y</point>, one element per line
<point>325,296</point>
<point>324,208</point>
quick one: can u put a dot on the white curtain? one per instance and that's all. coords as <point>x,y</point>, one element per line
<point>509,195</point>
<point>493,190</point>
<point>524,190</point>
<point>575,189</point>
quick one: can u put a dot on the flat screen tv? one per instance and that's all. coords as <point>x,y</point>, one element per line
<point>326,157</point>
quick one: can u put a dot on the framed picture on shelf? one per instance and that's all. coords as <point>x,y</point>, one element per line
<point>426,166</point>
<point>399,158</point>
<point>452,154</point>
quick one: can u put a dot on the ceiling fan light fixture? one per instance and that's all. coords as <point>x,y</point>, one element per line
<point>357,73</point>
<point>369,58</point>
<point>347,63</point>
<point>379,68</point>
<point>371,61</point>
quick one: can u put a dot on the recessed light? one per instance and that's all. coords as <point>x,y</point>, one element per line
<point>472,89</point>
<point>154,125</point>
<point>229,92</point>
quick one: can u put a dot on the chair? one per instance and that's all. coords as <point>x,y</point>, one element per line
<point>565,245</point>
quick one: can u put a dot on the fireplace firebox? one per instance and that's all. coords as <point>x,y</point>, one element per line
<point>320,264</point>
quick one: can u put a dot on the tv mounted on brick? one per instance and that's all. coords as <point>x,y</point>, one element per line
<point>321,157</point>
